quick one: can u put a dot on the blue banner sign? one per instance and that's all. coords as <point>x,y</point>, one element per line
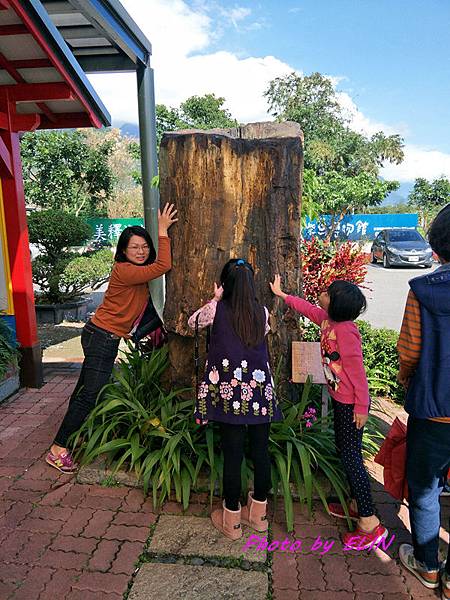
<point>359,227</point>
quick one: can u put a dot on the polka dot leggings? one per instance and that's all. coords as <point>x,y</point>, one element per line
<point>348,443</point>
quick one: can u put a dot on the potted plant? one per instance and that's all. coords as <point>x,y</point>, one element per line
<point>61,274</point>
<point>9,374</point>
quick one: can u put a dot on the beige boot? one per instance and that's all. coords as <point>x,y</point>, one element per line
<point>227,521</point>
<point>254,514</point>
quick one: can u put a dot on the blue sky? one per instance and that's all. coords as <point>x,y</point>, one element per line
<point>394,55</point>
<point>389,58</point>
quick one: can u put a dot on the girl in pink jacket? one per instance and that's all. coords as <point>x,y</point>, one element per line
<point>340,344</point>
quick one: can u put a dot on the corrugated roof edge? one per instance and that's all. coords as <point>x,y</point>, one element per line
<point>58,44</point>
<point>120,14</point>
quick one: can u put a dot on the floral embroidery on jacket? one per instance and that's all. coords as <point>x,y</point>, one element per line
<point>261,383</point>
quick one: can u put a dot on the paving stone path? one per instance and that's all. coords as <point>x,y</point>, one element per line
<point>62,540</point>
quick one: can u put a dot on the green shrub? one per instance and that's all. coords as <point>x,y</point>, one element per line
<point>381,361</point>
<point>61,274</point>
<point>380,357</point>
<point>152,432</point>
<point>56,231</point>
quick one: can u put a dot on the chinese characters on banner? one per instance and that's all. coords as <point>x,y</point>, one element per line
<point>358,227</point>
<point>106,232</point>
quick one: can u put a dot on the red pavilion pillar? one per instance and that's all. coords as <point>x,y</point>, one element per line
<point>31,373</point>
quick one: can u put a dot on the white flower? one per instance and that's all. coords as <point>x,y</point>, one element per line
<point>264,411</point>
<point>259,376</point>
<point>225,362</point>
<point>237,373</point>
<point>236,405</point>
<point>255,406</point>
<point>244,364</point>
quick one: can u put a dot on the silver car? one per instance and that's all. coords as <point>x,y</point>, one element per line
<point>397,247</point>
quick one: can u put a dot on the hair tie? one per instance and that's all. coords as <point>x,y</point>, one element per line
<point>240,262</point>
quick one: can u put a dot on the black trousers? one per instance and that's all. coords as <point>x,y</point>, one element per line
<point>233,439</point>
<point>349,446</point>
<point>100,350</point>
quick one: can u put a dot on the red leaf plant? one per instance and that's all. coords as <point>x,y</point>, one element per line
<point>324,261</point>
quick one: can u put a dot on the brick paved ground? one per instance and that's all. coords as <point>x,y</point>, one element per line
<point>60,540</point>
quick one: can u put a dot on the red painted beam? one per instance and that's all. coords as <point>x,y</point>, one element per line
<point>6,169</point>
<point>6,65</point>
<point>14,30</point>
<point>4,4</point>
<point>21,11</point>
<point>28,122</point>
<point>66,121</point>
<point>38,92</point>
<point>31,63</point>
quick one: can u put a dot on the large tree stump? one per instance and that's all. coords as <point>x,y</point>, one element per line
<point>238,194</point>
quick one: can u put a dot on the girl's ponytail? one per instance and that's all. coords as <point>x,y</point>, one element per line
<point>248,316</point>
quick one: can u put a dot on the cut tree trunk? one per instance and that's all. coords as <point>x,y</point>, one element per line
<point>238,194</point>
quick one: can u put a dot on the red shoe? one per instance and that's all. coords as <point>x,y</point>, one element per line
<point>361,540</point>
<point>337,510</point>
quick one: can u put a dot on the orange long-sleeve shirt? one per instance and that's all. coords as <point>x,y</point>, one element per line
<point>127,292</point>
<point>410,342</point>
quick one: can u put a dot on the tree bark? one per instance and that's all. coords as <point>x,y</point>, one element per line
<point>238,194</point>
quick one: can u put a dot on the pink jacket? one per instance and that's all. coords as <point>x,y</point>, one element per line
<point>342,359</point>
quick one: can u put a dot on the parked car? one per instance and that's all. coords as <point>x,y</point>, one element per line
<point>395,247</point>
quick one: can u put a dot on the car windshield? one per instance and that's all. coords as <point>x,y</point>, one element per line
<point>409,235</point>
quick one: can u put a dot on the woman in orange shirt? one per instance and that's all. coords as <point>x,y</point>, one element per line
<point>124,300</point>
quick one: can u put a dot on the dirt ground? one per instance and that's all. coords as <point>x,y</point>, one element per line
<point>52,335</point>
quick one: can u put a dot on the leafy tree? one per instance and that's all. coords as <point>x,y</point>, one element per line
<point>391,209</point>
<point>167,119</point>
<point>206,112</point>
<point>338,195</point>
<point>345,163</point>
<point>310,101</point>
<point>330,144</point>
<point>429,197</point>
<point>197,112</point>
<point>63,171</point>
<point>310,206</point>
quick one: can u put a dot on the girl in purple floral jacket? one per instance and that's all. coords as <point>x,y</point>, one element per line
<point>238,391</point>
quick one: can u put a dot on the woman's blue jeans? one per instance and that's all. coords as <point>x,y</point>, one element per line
<point>100,349</point>
<point>428,460</point>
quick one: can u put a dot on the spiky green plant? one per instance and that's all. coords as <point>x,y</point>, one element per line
<point>139,425</point>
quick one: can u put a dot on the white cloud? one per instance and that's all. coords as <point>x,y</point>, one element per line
<point>184,65</point>
<point>180,39</point>
<point>419,162</point>
<point>362,124</point>
<point>239,13</point>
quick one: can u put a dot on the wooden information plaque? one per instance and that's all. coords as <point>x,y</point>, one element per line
<point>306,360</point>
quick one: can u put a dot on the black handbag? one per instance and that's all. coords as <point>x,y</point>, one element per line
<point>150,333</point>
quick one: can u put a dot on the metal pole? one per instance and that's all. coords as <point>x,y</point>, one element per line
<point>149,163</point>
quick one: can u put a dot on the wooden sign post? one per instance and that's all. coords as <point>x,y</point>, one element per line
<point>307,362</point>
